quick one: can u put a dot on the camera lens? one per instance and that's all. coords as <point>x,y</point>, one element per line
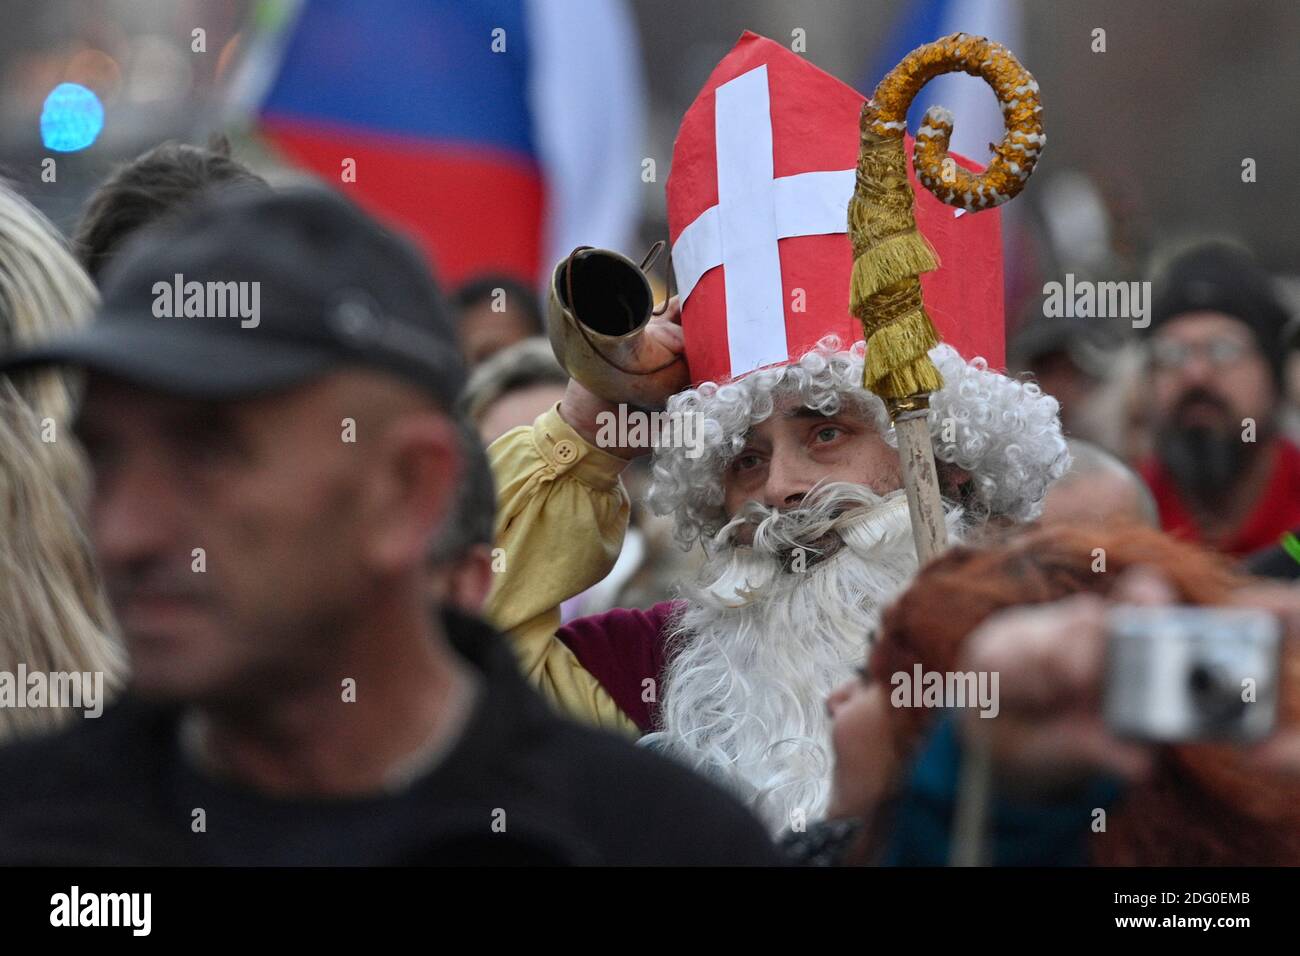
<point>1215,692</point>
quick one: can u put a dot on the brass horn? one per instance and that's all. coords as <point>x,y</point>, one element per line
<point>599,304</point>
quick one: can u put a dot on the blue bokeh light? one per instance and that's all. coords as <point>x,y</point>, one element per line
<point>71,118</point>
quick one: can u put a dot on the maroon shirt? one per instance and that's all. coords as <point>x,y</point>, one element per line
<point>622,649</point>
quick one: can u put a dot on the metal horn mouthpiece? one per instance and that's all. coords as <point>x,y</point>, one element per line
<point>599,305</point>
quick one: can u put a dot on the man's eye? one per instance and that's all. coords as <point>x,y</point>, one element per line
<point>746,462</point>
<point>829,433</point>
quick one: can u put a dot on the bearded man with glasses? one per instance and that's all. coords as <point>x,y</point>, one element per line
<point>1222,472</point>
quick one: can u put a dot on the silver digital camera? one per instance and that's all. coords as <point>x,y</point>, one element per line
<point>1192,673</point>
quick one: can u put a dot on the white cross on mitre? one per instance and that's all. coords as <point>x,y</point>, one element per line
<point>755,209</point>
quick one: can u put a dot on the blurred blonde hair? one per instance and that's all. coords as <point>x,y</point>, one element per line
<point>54,615</point>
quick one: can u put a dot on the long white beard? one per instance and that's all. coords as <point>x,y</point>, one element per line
<point>761,644</point>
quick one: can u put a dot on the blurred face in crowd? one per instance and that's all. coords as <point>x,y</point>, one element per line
<point>1209,373</point>
<point>516,407</point>
<point>485,331</point>
<point>796,447</point>
<point>1058,376</point>
<point>1208,378</point>
<point>301,532</point>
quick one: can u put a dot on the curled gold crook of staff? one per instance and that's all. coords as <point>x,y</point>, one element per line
<point>1017,92</point>
<point>889,253</point>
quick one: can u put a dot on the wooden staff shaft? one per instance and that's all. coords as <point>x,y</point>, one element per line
<point>921,482</point>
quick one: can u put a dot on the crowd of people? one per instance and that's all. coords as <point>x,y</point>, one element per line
<point>366,586</point>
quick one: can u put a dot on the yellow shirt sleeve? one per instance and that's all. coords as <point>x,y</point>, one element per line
<point>561,515</point>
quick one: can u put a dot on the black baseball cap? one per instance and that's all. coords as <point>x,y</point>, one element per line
<point>257,292</point>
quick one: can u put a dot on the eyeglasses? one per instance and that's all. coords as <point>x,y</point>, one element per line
<point>1219,353</point>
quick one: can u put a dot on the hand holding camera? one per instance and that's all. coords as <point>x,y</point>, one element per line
<point>1092,686</point>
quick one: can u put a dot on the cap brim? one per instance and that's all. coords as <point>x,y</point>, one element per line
<point>167,356</point>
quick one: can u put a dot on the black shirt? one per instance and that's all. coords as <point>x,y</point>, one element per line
<point>521,785</point>
<point>1273,562</point>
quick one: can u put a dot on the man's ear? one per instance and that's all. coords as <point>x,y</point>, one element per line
<point>416,472</point>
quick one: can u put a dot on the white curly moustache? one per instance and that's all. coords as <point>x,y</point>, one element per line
<point>769,631</point>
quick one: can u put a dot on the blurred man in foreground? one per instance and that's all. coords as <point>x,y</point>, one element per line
<point>270,475</point>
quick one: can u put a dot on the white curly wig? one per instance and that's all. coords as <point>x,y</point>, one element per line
<point>1006,434</point>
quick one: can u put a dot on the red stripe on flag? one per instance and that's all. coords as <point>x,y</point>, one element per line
<point>470,211</point>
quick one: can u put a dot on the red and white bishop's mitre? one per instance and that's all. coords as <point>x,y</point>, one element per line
<point>763,169</point>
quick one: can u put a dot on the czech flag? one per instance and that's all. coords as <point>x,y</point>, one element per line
<point>498,134</point>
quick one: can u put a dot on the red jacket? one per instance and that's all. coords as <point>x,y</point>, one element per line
<point>1275,512</point>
